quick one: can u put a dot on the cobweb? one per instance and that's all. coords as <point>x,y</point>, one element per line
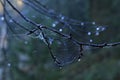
<point>57,28</point>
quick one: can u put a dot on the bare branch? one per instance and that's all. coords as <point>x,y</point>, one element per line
<point>42,9</point>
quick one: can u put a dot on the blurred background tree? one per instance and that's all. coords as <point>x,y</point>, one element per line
<point>30,60</point>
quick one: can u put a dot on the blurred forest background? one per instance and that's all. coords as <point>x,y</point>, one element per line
<point>29,59</point>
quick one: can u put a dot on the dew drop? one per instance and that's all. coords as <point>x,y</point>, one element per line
<point>10,20</point>
<point>103,28</point>
<point>91,40</point>
<point>89,33</point>
<point>97,33</point>
<point>60,30</point>
<point>79,60</point>
<point>82,23</point>
<point>26,42</point>
<point>53,25</point>
<point>8,64</point>
<point>60,67</point>
<point>2,18</point>
<point>62,18</point>
<point>93,23</point>
<point>97,28</point>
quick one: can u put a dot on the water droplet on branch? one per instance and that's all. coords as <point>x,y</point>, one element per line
<point>89,33</point>
<point>2,18</point>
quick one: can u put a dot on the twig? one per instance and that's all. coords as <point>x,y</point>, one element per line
<point>39,27</point>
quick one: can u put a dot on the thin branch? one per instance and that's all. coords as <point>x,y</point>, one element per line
<point>40,27</point>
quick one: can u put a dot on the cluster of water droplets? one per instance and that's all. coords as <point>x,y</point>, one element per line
<point>2,19</point>
<point>97,31</point>
<point>94,31</point>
